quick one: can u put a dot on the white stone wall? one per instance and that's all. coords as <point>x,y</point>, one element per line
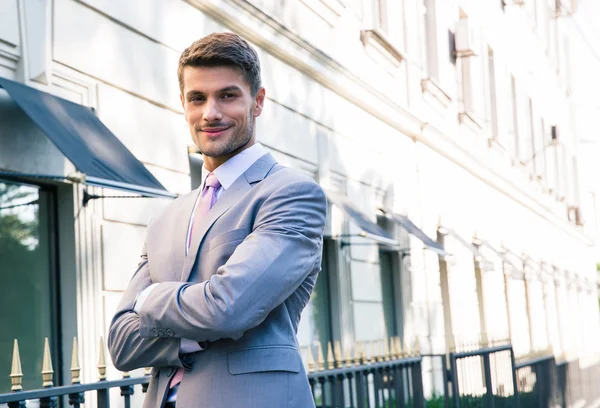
<point>357,120</point>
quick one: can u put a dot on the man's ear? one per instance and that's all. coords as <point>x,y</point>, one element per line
<point>259,102</point>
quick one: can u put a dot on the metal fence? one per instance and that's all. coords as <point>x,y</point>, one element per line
<point>543,382</point>
<point>484,378</point>
<point>50,396</point>
<point>380,376</point>
<point>537,382</point>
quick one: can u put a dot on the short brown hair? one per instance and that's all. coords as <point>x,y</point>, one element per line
<point>222,49</point>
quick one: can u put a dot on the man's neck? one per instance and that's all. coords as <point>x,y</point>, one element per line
<point>211,163</point>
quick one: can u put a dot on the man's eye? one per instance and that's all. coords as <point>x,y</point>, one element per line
<point>196,99</point>
<point>228,96</point>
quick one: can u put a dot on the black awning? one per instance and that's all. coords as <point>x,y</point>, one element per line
<point>85,141</point>
<point>502,255</point>
<point>409,226</point>
<point>470,246</point>
<point>368,228</point>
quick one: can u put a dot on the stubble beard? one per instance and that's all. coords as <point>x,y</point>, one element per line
<point>238,140</point>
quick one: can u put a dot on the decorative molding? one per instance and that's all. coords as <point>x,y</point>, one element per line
<point>76,82</point>
<point>337,183</point>
<point>468,119</point>
<point>8,59</point>
<point>38,35</point>
<point>267,33</point>
<point>431,88</point>
<point>495,144</point>
<point>378,40</point>
<point>328,10</point>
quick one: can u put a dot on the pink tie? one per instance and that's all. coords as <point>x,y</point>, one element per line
<point>207,200</point>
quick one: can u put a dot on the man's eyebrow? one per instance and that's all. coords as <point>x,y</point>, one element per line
<point>193,93</point>
<point>232,88</point>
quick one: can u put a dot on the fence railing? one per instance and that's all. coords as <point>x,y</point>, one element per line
<point>49,395</point>
<point>382,375</point>
<point>537,382</point>
<point>385,376</point>
<point>484,378</point>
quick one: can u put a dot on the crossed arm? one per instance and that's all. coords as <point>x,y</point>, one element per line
<point>265,269</point>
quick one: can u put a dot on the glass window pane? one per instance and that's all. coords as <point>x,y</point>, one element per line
<point>315,323</point>
<point>25,279</point>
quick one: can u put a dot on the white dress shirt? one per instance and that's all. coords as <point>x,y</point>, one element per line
<point>226,173</point>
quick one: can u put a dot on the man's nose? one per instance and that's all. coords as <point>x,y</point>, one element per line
<point>212,113</point>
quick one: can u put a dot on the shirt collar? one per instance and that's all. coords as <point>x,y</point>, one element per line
<point>233,168</point>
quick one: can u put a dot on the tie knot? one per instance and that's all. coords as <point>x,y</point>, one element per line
<point>212,181</point>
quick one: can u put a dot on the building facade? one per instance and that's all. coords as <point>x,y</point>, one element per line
<point>444,119</point>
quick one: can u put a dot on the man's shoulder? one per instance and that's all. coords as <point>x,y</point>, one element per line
<point>174,206</point>
<point>281,175</point>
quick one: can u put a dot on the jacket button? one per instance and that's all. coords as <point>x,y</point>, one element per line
<point>170,333</point>
<point>155,332</point>
<point>160,332</point>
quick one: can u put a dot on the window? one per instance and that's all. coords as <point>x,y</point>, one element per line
<point>196,165</point>
<point>430,57</point>
<point>564,64</point>
<point>493,97</point>
<point>527,154</point>
<point>315,328</point>
<point>390,285</point>
<point>514,112</point>
<point>543,143</point>
<point>28,279</point>
<point>551,170</point>
<point>538,145</point>
<point>470,64</point>
<point>381,15</point>
<point>472,88</point>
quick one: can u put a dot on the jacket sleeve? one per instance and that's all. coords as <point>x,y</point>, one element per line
<point>264,270</point>
<point>127,348</point>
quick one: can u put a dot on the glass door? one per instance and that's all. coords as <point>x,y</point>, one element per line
<point>28,280</point>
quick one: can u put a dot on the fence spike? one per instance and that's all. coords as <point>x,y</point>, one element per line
<point>320,358</point>
<point>357,351</point>
<point>101,361</point>
<point>406,348</point>
<point>348,359</point>
<point>337,352</point>
<point>47,371</point>
<point>75,368</point>
<point>147,370</point>
<point>330,357</point>
<point>380,350</point>
<point>310,359</point>
<point>362,349</point>
<point>368,351</point>
<point>126,374</point>
<point>16,373</point>
<point>393,351</point>
<point>417,346</point>
<point>387,355</point>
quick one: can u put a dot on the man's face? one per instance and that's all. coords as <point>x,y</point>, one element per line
<point>220,111</point>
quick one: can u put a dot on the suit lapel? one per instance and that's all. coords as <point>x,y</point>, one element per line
<point>181,229</point>
<point>232,195</point>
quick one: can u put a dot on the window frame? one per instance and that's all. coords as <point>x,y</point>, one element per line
<point>55,304</point>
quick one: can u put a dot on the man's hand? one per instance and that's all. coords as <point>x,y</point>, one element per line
<point>127,349</point>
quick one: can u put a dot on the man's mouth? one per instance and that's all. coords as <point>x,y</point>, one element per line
<point>214,131</point>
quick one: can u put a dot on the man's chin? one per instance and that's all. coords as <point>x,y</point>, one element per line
<point>216,151</point>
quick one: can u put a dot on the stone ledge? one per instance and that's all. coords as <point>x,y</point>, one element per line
<point>379,41</point>
<point>431,88</point>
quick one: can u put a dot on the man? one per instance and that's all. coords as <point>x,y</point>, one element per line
<point>226,270</point>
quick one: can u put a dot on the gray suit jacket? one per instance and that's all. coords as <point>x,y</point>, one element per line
<point>250,270</point>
